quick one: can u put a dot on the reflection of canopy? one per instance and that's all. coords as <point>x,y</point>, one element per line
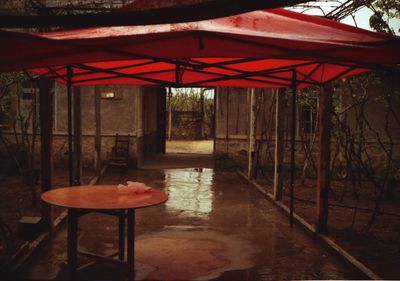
<point>257,49</point>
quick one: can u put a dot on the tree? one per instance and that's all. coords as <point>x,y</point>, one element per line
<point>384,12</point>
<point>7,80</point>
<point>25,127</point>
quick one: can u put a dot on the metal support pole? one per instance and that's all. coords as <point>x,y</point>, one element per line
<point>252,134</point>
<point>77,128</point>
<point>279,143</point>
<point>121,235</point>
<point>323,168</point>
<point>169,113</point>
<point>69,97</point>
<point>72,242</point>
<point>131,245</point>
<point>97,137</point>
<point>293,146</point>
<point>46,99</point>
<point>178,73</point>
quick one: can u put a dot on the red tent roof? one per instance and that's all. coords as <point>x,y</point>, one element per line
<point>257,49</point>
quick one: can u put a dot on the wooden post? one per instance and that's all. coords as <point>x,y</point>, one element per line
<point>323,177</point>
<point>77,137</point>
<point>46,140</point>
<point>279,143</point>
<point>252,132</point>
<point>97,137</point>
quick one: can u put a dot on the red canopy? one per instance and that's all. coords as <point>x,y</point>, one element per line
<point>257,49</point>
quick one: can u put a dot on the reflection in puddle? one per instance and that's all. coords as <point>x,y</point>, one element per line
<point>190,191</point>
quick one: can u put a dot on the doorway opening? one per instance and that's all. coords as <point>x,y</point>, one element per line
<point>190,119</point>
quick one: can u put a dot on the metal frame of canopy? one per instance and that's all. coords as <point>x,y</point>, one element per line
<point>318,56</point>
<point>293,86</point>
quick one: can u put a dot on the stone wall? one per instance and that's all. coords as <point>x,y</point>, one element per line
<point>186,125</point>
<point>132,112</point>
<point>118,115</point>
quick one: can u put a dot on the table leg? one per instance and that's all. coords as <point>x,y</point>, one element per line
<point>121,236</point>
<point>72,242</point>
<point>131,245</point>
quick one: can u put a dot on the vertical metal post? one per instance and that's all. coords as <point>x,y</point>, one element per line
<point>72,242</point>
<point>293,146</point>
<point>279,143</point>
<point>227,122</point>
<point>178,74</point>
<point>97,137</point>
<point>202,90</point>
<point>121,234</point>
<point>252,134</point>
<point>46,99</point>
<point>169,113</point>
<point>131,245</point>
<point>77,128</point>
<point>69,97</point>
<point>323,168</point>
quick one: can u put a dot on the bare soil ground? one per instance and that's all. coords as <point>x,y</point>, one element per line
<point>379,248</point>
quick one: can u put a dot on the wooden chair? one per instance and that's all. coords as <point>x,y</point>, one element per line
<point>120,151</point>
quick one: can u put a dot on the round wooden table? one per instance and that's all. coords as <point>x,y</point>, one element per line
<point>80,200</point>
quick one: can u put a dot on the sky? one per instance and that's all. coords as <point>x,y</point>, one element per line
<point>361,16</point>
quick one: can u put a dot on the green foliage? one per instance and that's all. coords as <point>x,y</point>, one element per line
<point>10,78</point>
<point>7,80</point>
<point>309,98</point>
<point>189,99</point>
<point>357,134</point>
<point>198,101</point>
<point>385,10</point>
<point>5,103</point>
<point>185,99</point>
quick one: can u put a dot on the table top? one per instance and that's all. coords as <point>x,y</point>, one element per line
<point>102,197</point>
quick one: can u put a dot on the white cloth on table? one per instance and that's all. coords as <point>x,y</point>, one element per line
<point>133,187</point>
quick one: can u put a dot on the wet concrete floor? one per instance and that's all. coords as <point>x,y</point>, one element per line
<point>213,227</point>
